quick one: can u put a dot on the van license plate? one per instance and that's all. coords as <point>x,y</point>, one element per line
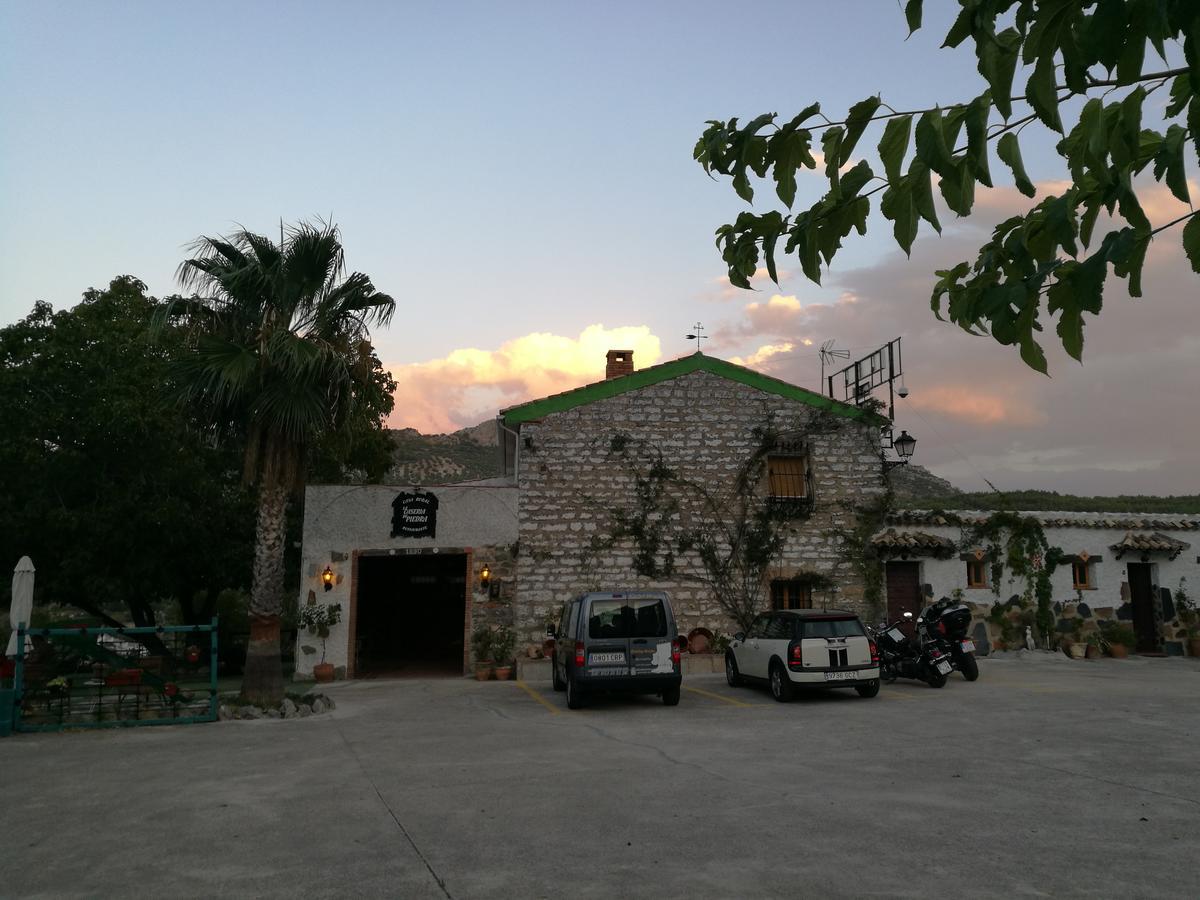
<point>839,676</point>
<point>605,658</point>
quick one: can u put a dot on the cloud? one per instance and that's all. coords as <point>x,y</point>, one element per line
<point>762,354</point>
<point>1125,421</point>
<point>977,406</point>
<point>469,385</point>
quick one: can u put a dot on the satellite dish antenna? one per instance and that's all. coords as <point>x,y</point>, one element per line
<point>828,355</point>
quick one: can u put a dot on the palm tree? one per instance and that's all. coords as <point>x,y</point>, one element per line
<point>279,357</point>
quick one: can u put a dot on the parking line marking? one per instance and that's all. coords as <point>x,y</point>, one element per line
<point>896,696</point>
<point>539,698</point>
<point>720,697</point>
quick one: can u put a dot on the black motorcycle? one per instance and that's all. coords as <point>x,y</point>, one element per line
<point>903,657</point>
<point>945,624</point>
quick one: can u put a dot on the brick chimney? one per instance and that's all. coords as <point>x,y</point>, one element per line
<point>620,362</point>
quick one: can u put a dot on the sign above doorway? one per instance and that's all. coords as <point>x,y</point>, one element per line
<point>414,514</point>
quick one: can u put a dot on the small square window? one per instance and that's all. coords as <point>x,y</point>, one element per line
<point>791,594</point>
<point>1082,578</point>
<point>976,573</point>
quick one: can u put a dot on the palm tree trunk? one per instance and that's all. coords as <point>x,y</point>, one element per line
<point>262,683</point>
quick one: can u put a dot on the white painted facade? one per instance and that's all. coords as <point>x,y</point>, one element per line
<point>1090,534</point>
<point>342,520</point>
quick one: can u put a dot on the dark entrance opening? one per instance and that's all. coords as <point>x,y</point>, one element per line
<point>410,615</point>
<point>1141,598</point>
<point>903,593</point>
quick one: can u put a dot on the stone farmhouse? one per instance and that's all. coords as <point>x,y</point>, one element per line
<point>417,569</point>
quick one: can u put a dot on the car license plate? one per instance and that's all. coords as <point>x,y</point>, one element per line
<point>595,659</point>
<point>839,676</point>
<point>967,646</point>
<point>944,667</point>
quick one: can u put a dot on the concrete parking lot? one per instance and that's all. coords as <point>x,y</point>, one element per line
<point>1045,777</point>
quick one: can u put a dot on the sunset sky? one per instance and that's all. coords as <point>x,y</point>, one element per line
<point>519,177</point>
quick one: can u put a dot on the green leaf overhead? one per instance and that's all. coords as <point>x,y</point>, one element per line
<point>1085,80</point>
<point>1009,151</point>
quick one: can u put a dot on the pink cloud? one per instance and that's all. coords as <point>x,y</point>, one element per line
<point>469,385</point>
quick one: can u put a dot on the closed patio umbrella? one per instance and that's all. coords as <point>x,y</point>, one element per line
<point>22,601</point>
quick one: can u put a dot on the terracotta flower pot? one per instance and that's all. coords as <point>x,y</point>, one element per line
<point>503,673</point>
<point>1076,650</point>
<point>1118,651</point>
<point>1093,652</point>
<point>1193,646</point>
<point>483,671</point>
<point>323,672</point>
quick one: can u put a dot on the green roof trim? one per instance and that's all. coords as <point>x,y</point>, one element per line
<point>697,362</point>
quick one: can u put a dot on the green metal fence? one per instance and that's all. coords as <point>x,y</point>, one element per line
<point>102,677</point>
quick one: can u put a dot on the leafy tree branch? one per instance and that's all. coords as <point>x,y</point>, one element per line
<point>1069,48</point>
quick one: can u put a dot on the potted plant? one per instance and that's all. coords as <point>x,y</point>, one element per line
<point>1075,647</point>
<point>481,647</point>
<point>553,616</point>
<point>1117,639</point>
<point>1093,646</point>
<point>504,642</point>
<point>1189,617</point>
<point>318,619</point>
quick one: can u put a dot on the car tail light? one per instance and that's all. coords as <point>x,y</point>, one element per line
<point>874,651</point>
<point>579,654</point>
<point>675,654</point>
<point>795,656</point>
<point>941,627</point>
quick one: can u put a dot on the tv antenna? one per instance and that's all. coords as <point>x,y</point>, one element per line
<point>881,368</point>
<point>697,335</point>
<point>828,355</point>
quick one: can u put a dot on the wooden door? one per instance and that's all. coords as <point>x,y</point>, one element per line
<point>903,591</point>
<point>1141,597</point>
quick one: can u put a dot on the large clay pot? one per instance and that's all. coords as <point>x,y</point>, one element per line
<point>1093,652</point>
<point>1193,645</point>
<point>503,673</point>
<point>1118,651</point>
<point>483,671</point>
<point>1076,650</point>
<point>323,672</point>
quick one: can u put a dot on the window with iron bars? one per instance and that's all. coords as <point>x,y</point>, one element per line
<point>789,482</point>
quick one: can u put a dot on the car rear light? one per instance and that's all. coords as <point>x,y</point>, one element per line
<point>941,627</point>
<point>874,651</point>
<point>579,654</point>
<point>675,654</point>
<point>795,656</point>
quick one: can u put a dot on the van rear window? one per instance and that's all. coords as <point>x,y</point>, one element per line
<point>832,628</point>
<point>627,618</point>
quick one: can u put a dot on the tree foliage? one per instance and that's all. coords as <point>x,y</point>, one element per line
<point>1067,54</point>
<point>278,357</point>
<point>118,498</point>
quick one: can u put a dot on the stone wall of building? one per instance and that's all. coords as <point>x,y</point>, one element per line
<point>704,426</point>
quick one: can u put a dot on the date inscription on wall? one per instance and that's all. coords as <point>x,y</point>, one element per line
<point>414,514</point>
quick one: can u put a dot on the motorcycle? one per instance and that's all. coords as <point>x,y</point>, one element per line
<point>946,623</point>
<point>903,657</point>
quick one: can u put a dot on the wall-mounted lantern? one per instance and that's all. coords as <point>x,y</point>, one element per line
<point>485,577</point>
<point>904,446</point>
<point>327,578</point>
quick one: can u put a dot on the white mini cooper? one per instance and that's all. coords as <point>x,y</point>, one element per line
<point>793,648</point>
